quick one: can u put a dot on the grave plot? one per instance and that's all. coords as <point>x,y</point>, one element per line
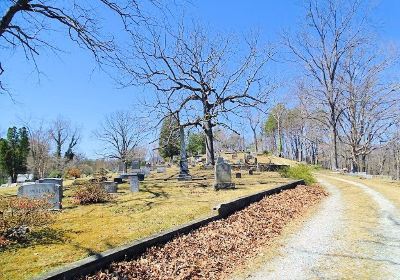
<point>218,249</point>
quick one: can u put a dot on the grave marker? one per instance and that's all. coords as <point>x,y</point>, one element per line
<point>108,186</point>
<point>134,185</point>
<point>49,191</point>
<point>223,175</point>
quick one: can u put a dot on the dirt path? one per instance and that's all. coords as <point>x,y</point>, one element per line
<point>354,234</point>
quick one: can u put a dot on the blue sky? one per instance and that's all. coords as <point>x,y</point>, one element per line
<point>72,87</point>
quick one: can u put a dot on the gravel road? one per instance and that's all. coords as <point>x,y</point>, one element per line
<point>338,242</point>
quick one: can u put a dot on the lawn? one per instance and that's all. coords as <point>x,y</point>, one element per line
<point>80,231</point>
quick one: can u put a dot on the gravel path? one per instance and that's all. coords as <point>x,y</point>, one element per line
<point>346,238</point>
<point>387,249</point>
<point>304,249</point>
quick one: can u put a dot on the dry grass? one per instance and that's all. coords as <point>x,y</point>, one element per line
<point>80,231</point>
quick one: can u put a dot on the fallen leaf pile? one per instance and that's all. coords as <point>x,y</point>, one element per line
<point>216,249</point>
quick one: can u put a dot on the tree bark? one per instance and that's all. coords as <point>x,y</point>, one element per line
<point>209,143</point>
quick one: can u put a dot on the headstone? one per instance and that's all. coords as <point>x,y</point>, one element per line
<point>140,176</point>
<point>118,180</point>
<point>49,191</point>
<point>238,175</point>
<point>161,169</point>
<point>255,160</point>
<point>251,171</point>
<point>134,184</point>
<point>223,175</point>
<point>146,171</point>
<point>135,164</point>
<point>22,178</point>
<point>110,187</point>
<point>57,181</point>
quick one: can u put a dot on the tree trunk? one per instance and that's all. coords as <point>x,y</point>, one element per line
<point>209,143</point>
<point>335,164</point>
<point>255,140</point>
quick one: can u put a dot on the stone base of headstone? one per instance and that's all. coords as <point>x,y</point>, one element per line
<point>238,175</point>
<point>110,187</point>
<point>184,177</point>
<point>224,186</point>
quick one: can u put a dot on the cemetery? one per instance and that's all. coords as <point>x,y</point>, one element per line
<point>135,210</point>
<point>204,140</point>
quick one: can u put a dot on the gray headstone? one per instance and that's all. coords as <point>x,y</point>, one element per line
<point>110,187</point>
<point>134,184</point>
<point>57,181</point>
<point>161,169</point>
<point>49,191</point>
<point>223,175</point>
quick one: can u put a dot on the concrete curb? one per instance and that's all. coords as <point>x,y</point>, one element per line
<point>136,248</point>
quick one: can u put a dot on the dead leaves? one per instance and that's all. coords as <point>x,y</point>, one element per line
<point>218,248</point>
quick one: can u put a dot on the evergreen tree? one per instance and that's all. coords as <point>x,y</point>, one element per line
<point>197,143</point>
<point>14,151</point>
<point>169,141</point>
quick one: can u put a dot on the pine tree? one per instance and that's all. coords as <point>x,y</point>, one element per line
<point>14,151</point>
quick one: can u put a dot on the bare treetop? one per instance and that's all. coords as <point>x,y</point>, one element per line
<point>24,24</point>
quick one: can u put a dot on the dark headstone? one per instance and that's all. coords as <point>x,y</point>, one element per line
<point>118,180</point>
<point>49,191</point>
<point>238,175</point>
<point>251,171</point>
<point>140,176</point>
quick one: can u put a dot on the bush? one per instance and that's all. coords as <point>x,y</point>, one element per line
<point>55,174</point>
<point>300,171</point>
<point>20,215</point>
<point>91,193</point>
<point>73,172</point>
<point>80,182</point>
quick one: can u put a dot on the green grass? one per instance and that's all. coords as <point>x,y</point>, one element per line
<point>81,231</point>
<point>300,171</point>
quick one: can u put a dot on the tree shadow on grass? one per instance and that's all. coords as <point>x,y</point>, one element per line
<point>45,236</point>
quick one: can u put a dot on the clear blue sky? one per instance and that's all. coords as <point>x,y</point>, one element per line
<point>69,87</point>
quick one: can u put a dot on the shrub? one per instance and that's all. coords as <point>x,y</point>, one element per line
<point>91,193</point>
<point>73,172</point>
<point>20,215</point>
<point>300,171</point>
<point>80,182</point>
<point>55,174</point>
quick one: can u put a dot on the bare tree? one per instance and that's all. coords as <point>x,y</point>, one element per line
<point>332,29</point>
<point>24,23</point>
<point>39,140</point>
<point>199,78</point>
<point>254,119</point>
<point>63,134</point>
<point>372,106</point>
<point>121,134</point>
